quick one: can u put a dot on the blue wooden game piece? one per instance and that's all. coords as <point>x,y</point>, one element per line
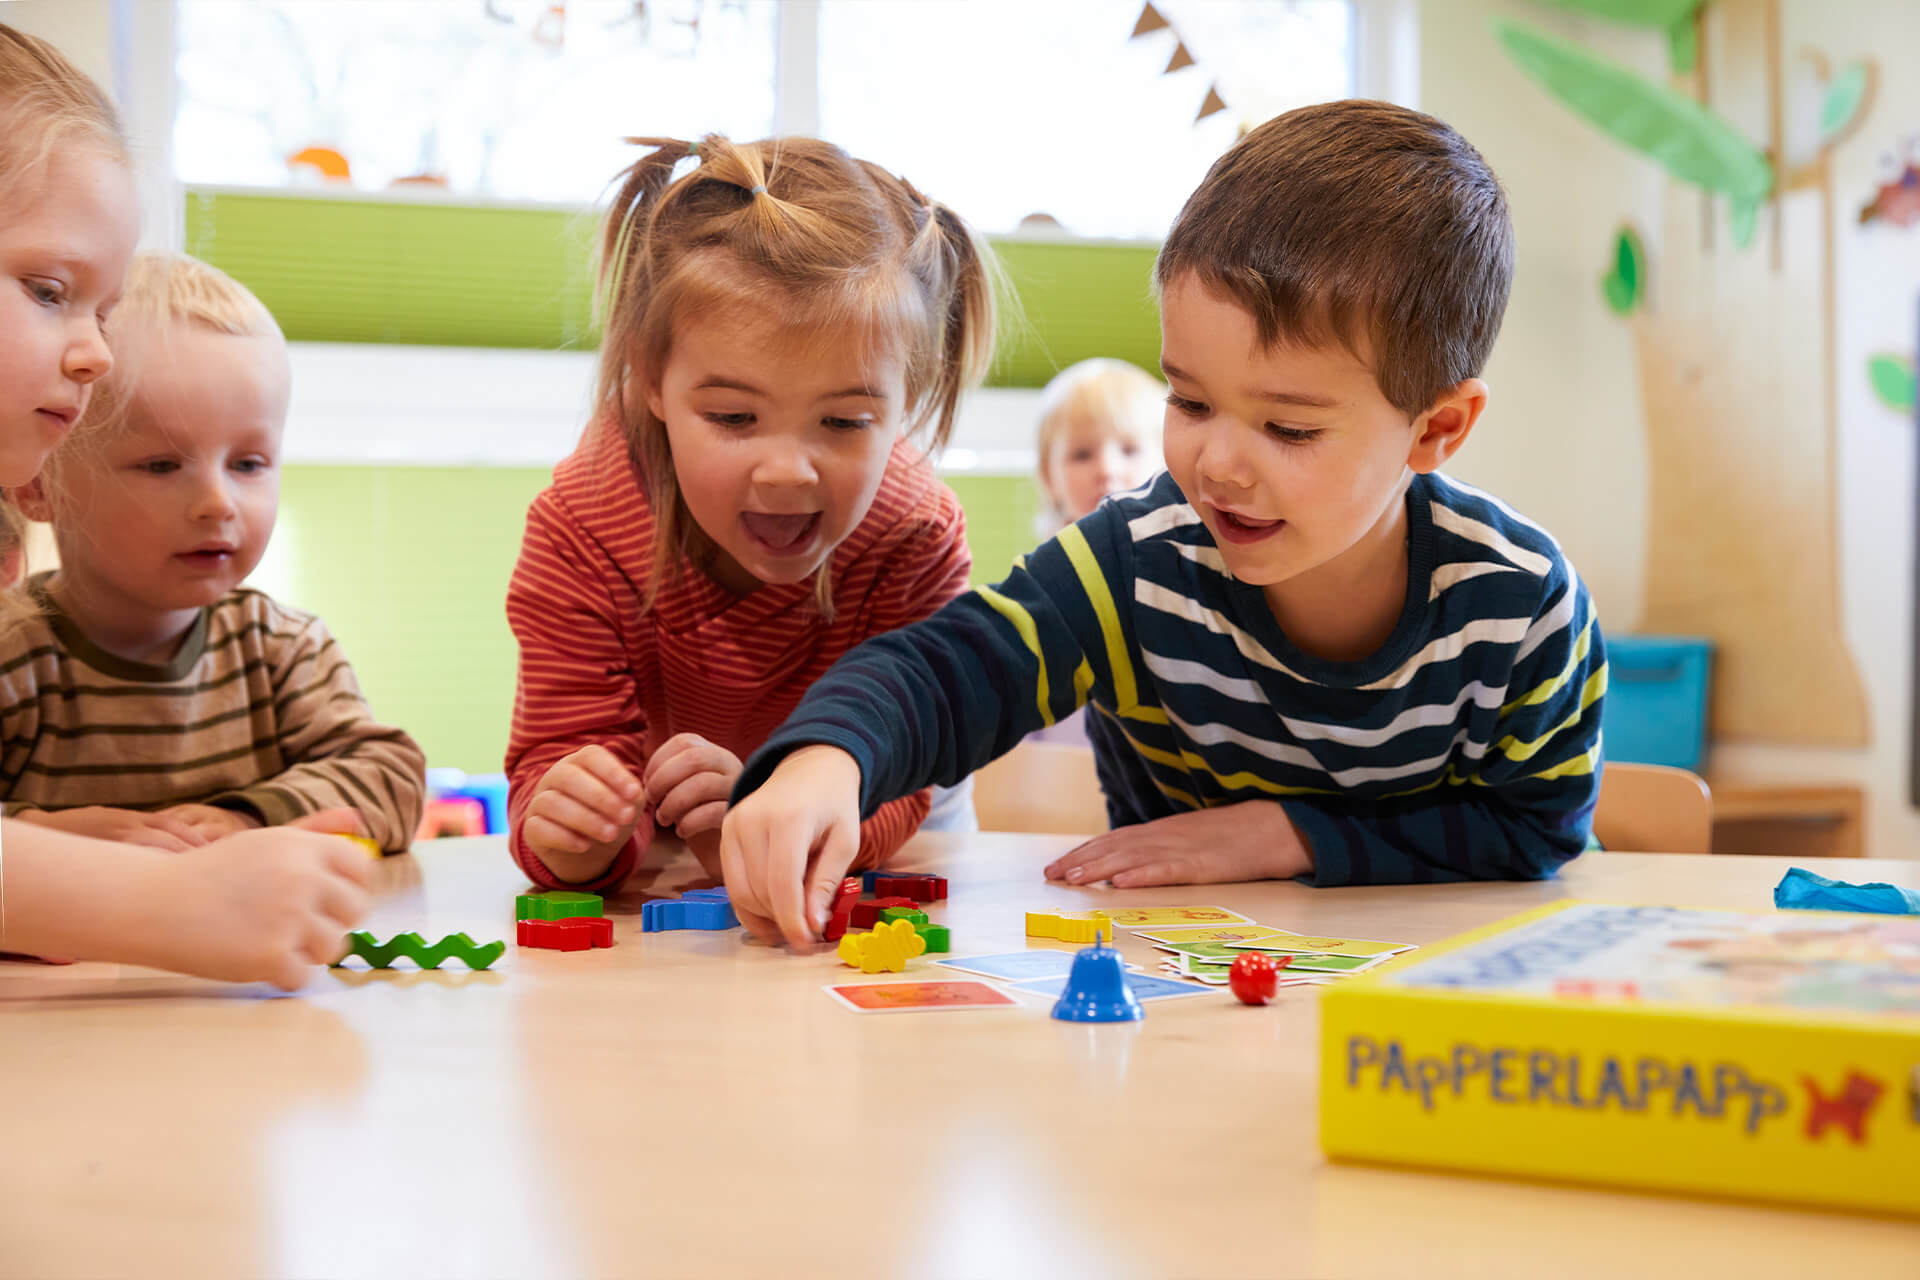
<point>688,912</point>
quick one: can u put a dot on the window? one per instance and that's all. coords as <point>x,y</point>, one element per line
<point>502,98</point>
<point>1007,108</point>
<point>1002,108</point>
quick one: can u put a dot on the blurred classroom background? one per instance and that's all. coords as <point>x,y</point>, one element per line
<point>1704,386</point>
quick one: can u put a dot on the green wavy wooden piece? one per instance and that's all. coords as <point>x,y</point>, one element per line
<point>455,946</point>
<point>1894,381</point>
<point>1842,99</point>
<point>1690,142</point>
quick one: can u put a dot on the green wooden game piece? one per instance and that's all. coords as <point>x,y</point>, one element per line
<point>455,946</point>
<point>557,904</point>
<point>917,918</point>
<point>936,935</point>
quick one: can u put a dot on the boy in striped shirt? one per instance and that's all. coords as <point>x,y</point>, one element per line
<point>151,698</point>
<point>1308,653</point>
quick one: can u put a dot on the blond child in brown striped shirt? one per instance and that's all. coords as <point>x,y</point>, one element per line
<point>155,700</point>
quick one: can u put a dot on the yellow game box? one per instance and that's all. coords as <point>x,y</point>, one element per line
<point>1773,1055</point>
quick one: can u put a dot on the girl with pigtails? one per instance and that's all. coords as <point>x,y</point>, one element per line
<point>745,505</point>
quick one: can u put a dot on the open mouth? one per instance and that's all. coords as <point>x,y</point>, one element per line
<point>1244,529</point>
<point>208,557</point>
<point>781,535</point>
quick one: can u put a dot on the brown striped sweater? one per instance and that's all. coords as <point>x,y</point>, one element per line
<point>595,668</point>
<point>258,712</point>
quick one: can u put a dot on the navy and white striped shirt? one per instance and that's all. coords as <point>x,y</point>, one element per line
<point>1466,747</point>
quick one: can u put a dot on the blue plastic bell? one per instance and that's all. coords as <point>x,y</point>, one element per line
<point>1097,989</point>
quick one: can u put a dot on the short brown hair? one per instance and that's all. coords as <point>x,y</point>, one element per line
<point>831,238</point>
<point>1362,223</point>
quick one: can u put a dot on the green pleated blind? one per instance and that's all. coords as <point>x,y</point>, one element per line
<point>352,269</point>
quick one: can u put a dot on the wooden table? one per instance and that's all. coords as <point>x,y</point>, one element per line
<point>687,1104</point>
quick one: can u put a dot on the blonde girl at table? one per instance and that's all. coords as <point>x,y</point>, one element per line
<point>260,905</point>
<point>745,506</point>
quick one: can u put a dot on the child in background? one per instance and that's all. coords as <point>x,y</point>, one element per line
<point>743,509</point>
<point>257,905</point>
<point>1309,653</point>
<point>155,699</point>
<point>1099,434</point>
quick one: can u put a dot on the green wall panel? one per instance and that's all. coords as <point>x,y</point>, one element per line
<point>436,274</point>
<point>409,566</point>
<point>338,269</point>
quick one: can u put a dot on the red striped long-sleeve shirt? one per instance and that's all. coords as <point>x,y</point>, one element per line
<point>596,668</point>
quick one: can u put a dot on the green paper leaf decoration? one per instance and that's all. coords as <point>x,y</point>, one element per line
<point>1893,381</point>
<point>1843,99</point>
<point>1683,46</point>
<point>1675,17</point>
<point>1623,286</point>
<point>1690,142</point>
<point>1660,14</point>
<point>1744,215</point>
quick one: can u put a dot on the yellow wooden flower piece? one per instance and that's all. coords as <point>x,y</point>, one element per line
<point>887,949</point>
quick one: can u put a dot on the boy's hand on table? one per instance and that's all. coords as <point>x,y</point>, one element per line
<point>162,830</point>
<point>211,821</point>
<point>689,780</point>
<point>785,848</point>
<point>1252,840</point>
<point>263,905</point>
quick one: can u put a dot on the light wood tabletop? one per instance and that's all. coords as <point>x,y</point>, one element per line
<point>688,1104</point>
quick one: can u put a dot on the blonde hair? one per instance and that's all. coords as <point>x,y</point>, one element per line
<point>835,239</point>
<point>165,289</point>
<point>1120,396</point>
<point>45,103</point>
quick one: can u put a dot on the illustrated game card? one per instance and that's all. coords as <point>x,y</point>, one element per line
<point>910,997</point>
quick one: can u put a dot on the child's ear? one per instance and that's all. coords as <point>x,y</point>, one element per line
<point>31,500</point>
<point>1442,429</point>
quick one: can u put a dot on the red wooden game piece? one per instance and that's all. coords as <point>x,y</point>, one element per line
<point>576,933</point>
<point>1255,976</point>
<point>840,915</point>
<point>867,914</point>
<point>920,888</point>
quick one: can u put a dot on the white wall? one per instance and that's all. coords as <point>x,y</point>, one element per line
<point>1564,436</point>
<point>127,47</point>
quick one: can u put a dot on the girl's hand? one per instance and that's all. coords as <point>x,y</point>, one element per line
<point>1252,840</point>
<point>163,830</point>
<point>211,821</point>
<point>263,905</point>
<point>784,849</point>
<point>582,811</point>
<point>689,780</point>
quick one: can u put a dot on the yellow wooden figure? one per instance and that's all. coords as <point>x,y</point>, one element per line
<point>371,846</point>
<point>1070,926</point>
<point>888,948</point>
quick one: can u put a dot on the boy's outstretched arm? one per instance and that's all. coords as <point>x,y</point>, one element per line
<point>927,704</point>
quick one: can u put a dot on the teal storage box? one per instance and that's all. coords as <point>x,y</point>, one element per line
<point>1656,708</point>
